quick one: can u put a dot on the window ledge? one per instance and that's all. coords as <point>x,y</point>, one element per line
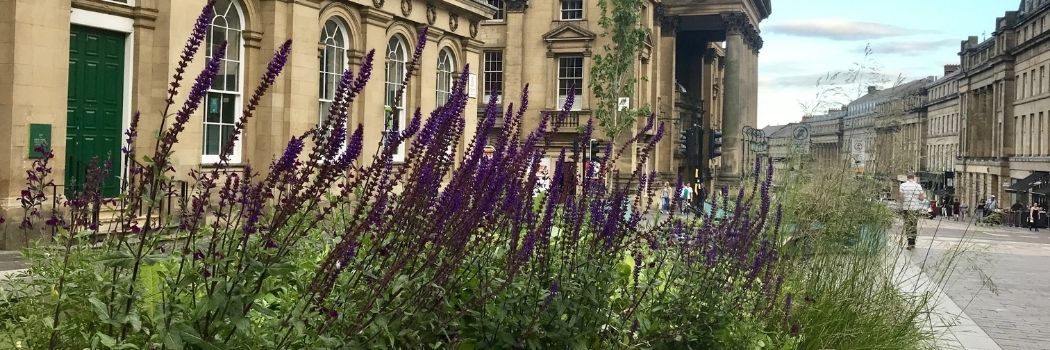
<point>217,166</point>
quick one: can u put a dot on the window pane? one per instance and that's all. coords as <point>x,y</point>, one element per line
<point>233,45</point>
<point>231,71</point>
<point>211,139</point>
<point>227,130</point>
<point>228,108</point>
<point>498,4</point>
<point>214,108</point>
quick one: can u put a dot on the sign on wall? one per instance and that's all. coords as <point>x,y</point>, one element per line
<point>472,85</point>
<point>857,151</point>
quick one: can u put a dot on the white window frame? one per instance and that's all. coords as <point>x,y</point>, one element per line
<point>562,90</point>
<point>563,11</point>
<point>446,67</point>
<point>501,12</point>
<point>396,57</point>
<point>487,71</point>
<point>236,155</point>
<point>328,40</point>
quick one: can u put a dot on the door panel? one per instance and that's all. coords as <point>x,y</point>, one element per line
<point>95,106</point>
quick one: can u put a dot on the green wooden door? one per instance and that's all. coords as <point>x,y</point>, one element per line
<point>95,106</point>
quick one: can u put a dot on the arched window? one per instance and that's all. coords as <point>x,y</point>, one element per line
<point>444,76</point>
<point>332,54</point>
<point>396,60</point>
<point>223,106</point>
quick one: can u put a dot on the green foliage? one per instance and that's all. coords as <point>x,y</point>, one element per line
<point>843,276</point>
<point>613,70</point>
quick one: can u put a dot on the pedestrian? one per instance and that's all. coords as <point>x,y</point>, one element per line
<point>1018,215</point>
<point>956,210</point>
<point>543,181</point>
<point>933,209</point>
<point>979,213</point>
<point>991,206</point>
<point>686,195</point>
<point>912,197</point>
<point>665,198</point>
<point>1034,212</point>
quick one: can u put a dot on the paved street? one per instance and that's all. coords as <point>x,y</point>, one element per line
<point>1000,278</point>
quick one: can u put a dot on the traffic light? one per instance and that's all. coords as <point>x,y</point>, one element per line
<point>714,149</point>
<point>683,141</point>
<point>595,145</point>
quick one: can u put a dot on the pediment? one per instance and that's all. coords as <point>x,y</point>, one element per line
<point>569,32</point>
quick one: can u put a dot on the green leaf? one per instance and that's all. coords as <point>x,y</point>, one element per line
<point>190,336</point>
<point>100,309</point>
<point>136,323</point>
<point>172,340</point>
<point>106,340</point>
<point>117,258</point>
<point>283,268</point>
<point>155,258</point>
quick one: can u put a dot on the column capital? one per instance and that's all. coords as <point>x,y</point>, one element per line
<point>736,23</point>
<point>516,5</point>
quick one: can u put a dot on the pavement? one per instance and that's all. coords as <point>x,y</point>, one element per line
<point>995,280</point>
<point>10,263</point>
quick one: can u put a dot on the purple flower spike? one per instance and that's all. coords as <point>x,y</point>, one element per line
<point>193,101</point>
<point>280,58</point>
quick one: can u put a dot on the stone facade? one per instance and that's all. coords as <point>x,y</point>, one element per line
<point>37,56</point>
<point>942,133</point>
<point>1003,90</point>
<point>699,66</point>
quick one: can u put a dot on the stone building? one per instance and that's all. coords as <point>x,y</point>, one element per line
<point>900,131</point>
<point>72,72</point>
<point>78,69</point>
<point>826,138</point>
<point>699,64</point>
<point>942,132</point>
<point>1005,149</point>
<point>858,130</point>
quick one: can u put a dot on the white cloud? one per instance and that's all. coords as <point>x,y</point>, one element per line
<point>837,29</point>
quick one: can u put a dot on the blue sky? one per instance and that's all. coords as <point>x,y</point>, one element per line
<point>807,41</point>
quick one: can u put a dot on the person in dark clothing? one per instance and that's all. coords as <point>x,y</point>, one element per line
<point>1034,212</point>
<point>1019,214</point>
<point>956,209</point>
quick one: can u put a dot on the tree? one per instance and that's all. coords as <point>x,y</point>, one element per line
<point>613,72</point>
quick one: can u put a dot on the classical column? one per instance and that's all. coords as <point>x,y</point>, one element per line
<point>737,97</point>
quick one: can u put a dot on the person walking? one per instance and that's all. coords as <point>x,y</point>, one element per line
<point>912,197</point>
<point>991,206</point>
<point>686,196</point>
<point>956,209</point>
<point>1033,216</point>
<point>978,214</point>
<point>665,198</point>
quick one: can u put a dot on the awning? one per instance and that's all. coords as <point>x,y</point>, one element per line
<point>1036,179</point>
<point>1043,190</point>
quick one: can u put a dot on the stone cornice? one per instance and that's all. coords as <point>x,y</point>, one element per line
<point>143,17</point>
<point>376,17</point>
<point>516,5</point>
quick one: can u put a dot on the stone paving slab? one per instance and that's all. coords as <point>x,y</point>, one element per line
<point>953,328</point>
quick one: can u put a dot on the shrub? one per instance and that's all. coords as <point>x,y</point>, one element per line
<point>321,250</point>
<point>843,276</point>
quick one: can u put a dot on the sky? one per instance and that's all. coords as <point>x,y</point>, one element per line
<point>811,46</point>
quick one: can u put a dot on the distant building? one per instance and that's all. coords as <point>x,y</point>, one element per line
<point>1003,90</point>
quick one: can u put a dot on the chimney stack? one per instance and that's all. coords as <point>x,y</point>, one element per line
<point>872,89</point>
<point>950,68</point>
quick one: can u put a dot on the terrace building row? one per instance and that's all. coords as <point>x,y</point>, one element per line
<point>73,72</point>
<point>980,130</point>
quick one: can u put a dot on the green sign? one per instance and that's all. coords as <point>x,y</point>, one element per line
<point>39,136</point>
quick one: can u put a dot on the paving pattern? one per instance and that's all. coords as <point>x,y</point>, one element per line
<point>1001,278</point>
